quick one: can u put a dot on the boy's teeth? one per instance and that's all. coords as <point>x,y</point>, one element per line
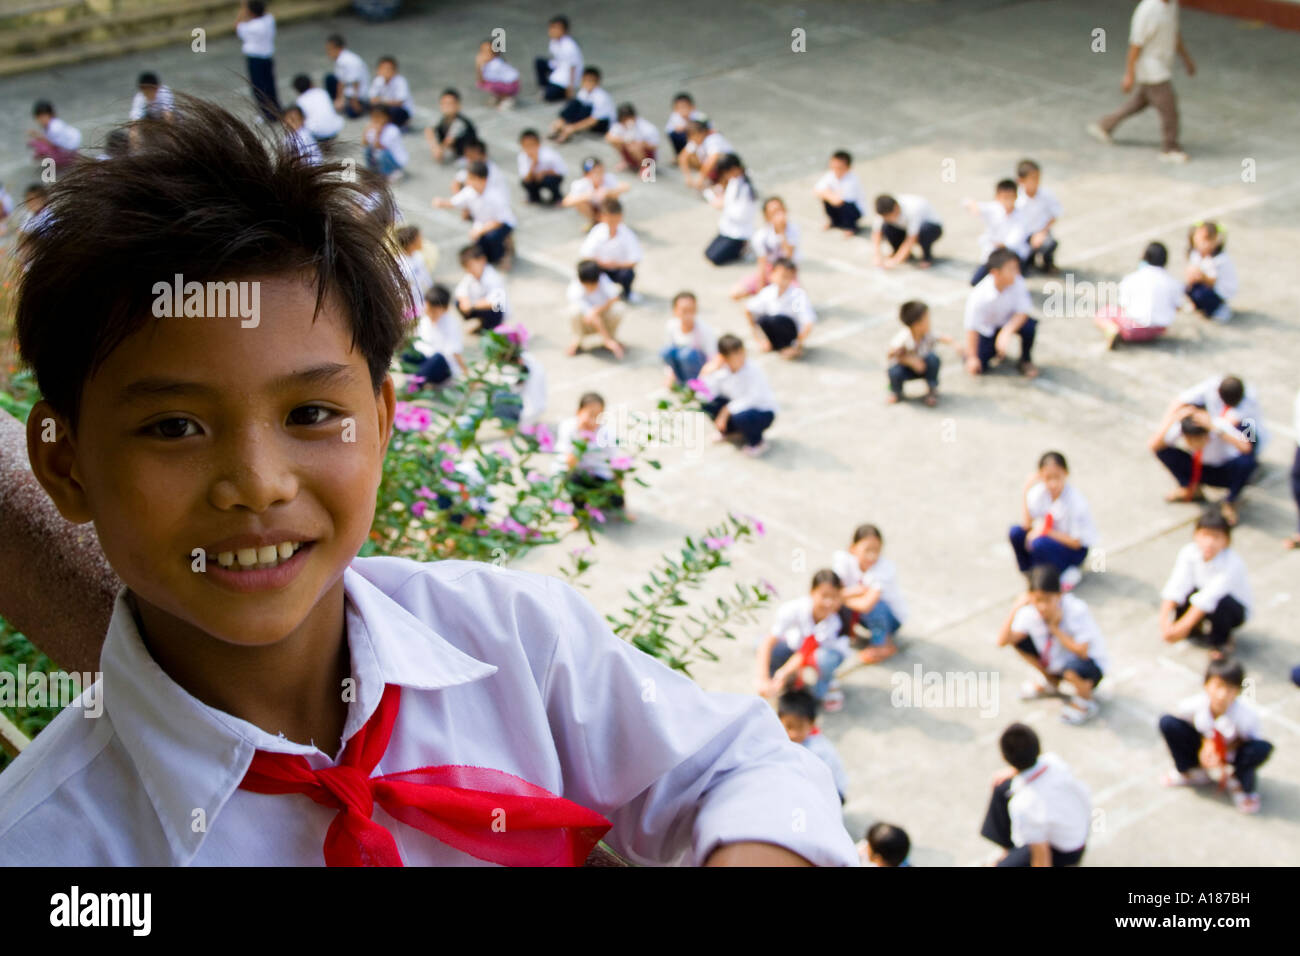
<point>286,550</point>
<point>247,556</point>
<point>226,558</point>
<point>267,556</point>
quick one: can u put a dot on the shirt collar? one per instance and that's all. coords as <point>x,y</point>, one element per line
<point>191,757</point>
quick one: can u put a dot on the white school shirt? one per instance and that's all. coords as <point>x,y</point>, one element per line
<point>1247,412</point>
<point>496,180</point>
<point>702,337</point>
<point>395,89</point>
<point>351,72</point>
<point>532,391</point>
<point>583,188</point>
<point>1217,450</point>
<point>623,246</point>
<point>501,669</point>
<point>497,70</point>
<point>601,103</point>
<point>390,138</point>
<point>739,207</point>
<point>418,278</point>
<point>442,337</point>
<point>487,206</point>
<point>62,135</point>
<point>1049,805</point>
<point>793,623</point>
<point>826,753</point>
<point>1208,582</point>
<point>713,142</point>
<point>318,113</point>
<point>1220,268</point>
<point>847,187</point>
<point>548,161</point>
<point>1237,724</point>
<point>914,212</point>
<point>1002,228</point>
<point>766,243</point>
<point>637,130</point>
<point>566,61</point>
<point>745,390</point>
<point>987,309</point>
<point>1070,512</point>
<point>1076,621</point>
<point>1038,210</point>
<point>793,302</point>
<point>1154,28</point>
<point>1150,296</point>
<point>677,123</point>
<point>491,285</point>
<point>904,342</point>
<point>883,574</point>
<point>258,35</point>
<point>600,448</point>
<point>163,102</point>
<point>579,295</point>
<point>305,144</point>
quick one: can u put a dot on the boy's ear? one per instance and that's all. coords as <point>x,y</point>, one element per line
<point>51,449</point>
<point>385,408</point>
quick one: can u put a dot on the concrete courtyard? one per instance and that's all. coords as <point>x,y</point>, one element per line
<point>939,98</point>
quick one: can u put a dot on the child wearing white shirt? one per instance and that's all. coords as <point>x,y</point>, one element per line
<point>414,266</point>
<point>905,222</point>
<point>806,643</point>
<point>53,138</point>
<point>705,148</point>
<point>682,113</point>
<point>1004,228</point>
<point>841,194</point>
<point>911,353</point>
<point>384,150</point>
<point>496,77</point>
<point>256,30</point>
<point>871,593</point>
<point>592,188</point>
<point>777,239</point>
<point>1149,299</point>
<point>1039,209</point>
<point>742,402</point>
<point>541,168</point>
<point>781,312</point>
<point>347,83</point>
<point>594,307</point>
<point>739,206</point>
<point>1211,273</point>
<point>1056,527</point>
<point>299,137</point>
<point>438,347</point>
<point>1039,813</point>
<point>691,342</point>
<point>476,151</point>
<point>997,309</point>
<point>614,247</point>
<point>1217,731</point>
<point>491,218</point>
<point>389,88</point>
<point>1208,584</point>
<point>319,116</point>
<point>481,292</point>
<point>152,99</point>
<point>798,712</point>
<point>635,137</point>
<point>591,109</point>
<point>584,450</point>
<point>558,75</point>
<point>1056,634</point>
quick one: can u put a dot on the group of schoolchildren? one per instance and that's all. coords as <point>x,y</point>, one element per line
<point>1210,436</point>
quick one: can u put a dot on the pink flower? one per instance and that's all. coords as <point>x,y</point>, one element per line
<point>515,333</point>
<point>699,388</point>
<point>768,585</point>
<point>597,515</point>
<point>561,507</point>
<point>419,508</point>
<point>580,552</point>
<point>451,485</point>
<point>448,465</point>
<point>447,448</point>
<point>758,528</point>
<point>534,477</point>
<point>545,441</point>
<point>425,492</point>
<point>621,462</point>
<point>717,544</point>
<point>527,429</point>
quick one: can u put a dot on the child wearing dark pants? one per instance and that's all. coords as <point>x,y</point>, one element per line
<point>1217,731</point>
<point>749,424</point>
<point>997,308</point>
<point>739,210</point>
<point>743,402</point>
<point>911,353</point>
<point>1056,526</point>
<point>1208,585</point>
<point>256,30</point>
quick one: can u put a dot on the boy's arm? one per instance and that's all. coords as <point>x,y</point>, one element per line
<point>904,250</point>
<point>1040,854</point>
<point>1187,57</point>
<point>1130,66</point>
<point>1005,634</point>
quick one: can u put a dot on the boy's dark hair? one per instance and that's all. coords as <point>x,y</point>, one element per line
<point>889,842</point>
<point>1191,428</point>
<point>438,296</point>
<point>588,271</point>
<point>42,108</point>
<point>1053,458</point>
<point>727,163</point>
<point>381,108</point>
<point>561,20</point>
<point>730,344</point>
<point>683,295</point>
<point>684,96</point>
<point>867,531</point>
<point>826,576</point>
<point>450,91</point>
<point>256,7</point>
<point>336,39</point>
<point>387,59</point>
<point>844,156</point>
<point>478,170</point>
<point>529,133</point>
<point>472,251</point>
<point>1045,578</point>
<point>591,398</point>
<point>626,111</point>
<point>1156,254</point>
<point>1227,670</point>
<point>1006,186</point>
<point>213,200</point>
<point>612,206</point>
<point>301,83</point>
<point>147,79</point>
<point>473,143</point>
<point>797,703</point>
<point>1212,519</point>
<point>784,263</point>
<point>1025,168</point>
<point>592,71</point>
<point>1000,257</point>
<point>1019,745</point>
<point>1232,390</point>
<point>700,125</point>
<point>912,312</point>
<point>885,204</point>
<point>405,235</point>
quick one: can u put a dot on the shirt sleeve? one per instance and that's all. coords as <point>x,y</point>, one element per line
<point>678,772</point>
<point>1143,27</point>
<point>1028,818</point>
<point>1024,621</point>
<point>590,241</point>
<point>1208,596</point>
<point>1023,302</point>
<point>1179,584</point>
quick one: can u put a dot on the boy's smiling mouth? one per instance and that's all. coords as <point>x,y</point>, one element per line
<point>257,562</point>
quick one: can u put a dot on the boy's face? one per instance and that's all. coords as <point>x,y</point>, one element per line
<point>333,50</point>
<point>1007,198</point>
<point>1221,694</point>
<point>589,82</point>
<point>199,433</point>
<point>449,104</point>
<point>1209,543</point>
<point>530,146</point>
<point>921,327</point>
<point>782,277</point>
<point>684,308</point>
<point>386,70</point>
<point>1007,274</point>
<point>149,92</point>
<point>1045,603</point>
<point>474,266</point>
<point>826,599</point>
<point>1030,183</point>
<point>867,551</point>
<point>434,312</point>
<point>839,167</point>
<point>797,727</point>
<point>613,220</point>
<point>554,30</point>
<point>43,119</point>
<point>1054,478</point>
<point>682,108</point>
<point>776,215</point>
<point>736,360</point>
<point>589,415</point>
<point>476,183</point>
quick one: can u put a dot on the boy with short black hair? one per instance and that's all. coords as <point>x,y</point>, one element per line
<point>742,402</point>
<point>1149,299</point>
<point>347,83</point>
<point>1206,439</point>
<point>481,293</point>
<point>635,138</point>
<point>558,75</point>
<point>594,308</point>
<point>231,471</point>
<point>53,138</point>
<point>319,116</point>
<point>1004,228</point>
<point>448,138</point>
<point>437,349</point>
<point>541,169</point>
<point>389,88</point>
<point>841,194</point>
<point>491,218</point>
<point>1039,209</point>
<point>152,99</point>
<point>591,109</point>
<point>385,152</point>
<point>798,712</point>
<point>256,30</point>
<point>885,845</point>
<point>997,309</point>
<point>905,222</point>
<point>614,247</point>
<point>1207,585</point>
<point>911,353</point>
<point>298,137</point>
<point>682,113</point>
<point>781,314</point>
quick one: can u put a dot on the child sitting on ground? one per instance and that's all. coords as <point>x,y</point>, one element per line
<point>1207,585</point>
<point>481,293</point>
<point>778,239</point>
<point>438,347</point>
<point>491,218</point>
<point>613,246</point>
<point>53,138</point>
<point>871,594</point>
<point>1200,447</point>
<point>997,309</point>
<point>798,712</point>
<point>806,644</point>
<point>841,194</point>
<point>448,138</point>
<point>1149,299</point>
<point>1039,209</point>
<point>584,452</point>
<point>682,113</point>
<point>298,137</point>
<point>1004,228</point>
<point>594,308</point>
<point>1056,527</point>
<point>414,265</point>
<point>591,110</point>
<point>591,189</point>
<point>384,150</point>
<point>496,77</point>
<point>541,168</point>
<point>1211,274</point>
<point>698,159</point>
<point>692,343</point>
<point>742,402</point>
<point>389,88</point>
<point>781,312</point>
<point>1056,634</point>
<point>1217,732</point>
<point>906,222</point>
<point>736,199</point>
<point>885,845</point>
<point>635,138</point>
<point>911,353</point>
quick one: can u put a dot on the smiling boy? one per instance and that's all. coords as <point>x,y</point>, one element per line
<point>261,684</point>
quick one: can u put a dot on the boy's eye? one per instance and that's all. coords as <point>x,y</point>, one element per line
<point>174,428</point>
<point>309,415</point>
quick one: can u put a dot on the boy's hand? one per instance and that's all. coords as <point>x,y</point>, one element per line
<point>1126,85</point>
<point>1190,65</point>
<point>973,364</point>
